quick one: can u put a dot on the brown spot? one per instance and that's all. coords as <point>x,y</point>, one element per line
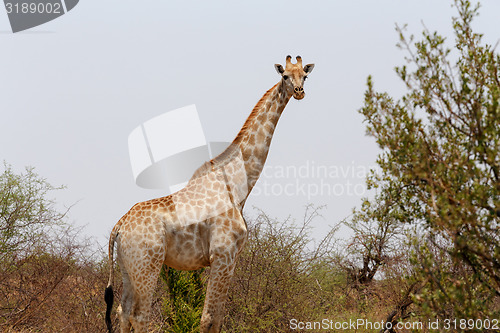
<point>253,114</point>
<point>261,135</point>
<point>251,140</point>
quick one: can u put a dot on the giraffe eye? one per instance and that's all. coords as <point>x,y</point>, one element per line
<point>285,77</point>
<point>305,77</point>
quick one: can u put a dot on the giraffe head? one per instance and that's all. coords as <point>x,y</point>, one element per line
<point>294,75</point>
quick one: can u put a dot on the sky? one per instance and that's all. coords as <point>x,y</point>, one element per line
<point>73,89</point>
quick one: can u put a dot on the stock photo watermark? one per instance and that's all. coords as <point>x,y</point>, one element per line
<point>160,166</point>
<point>26,14</point>
<point>364,324</point>
<point>311,179</point>
<point>157,165</point>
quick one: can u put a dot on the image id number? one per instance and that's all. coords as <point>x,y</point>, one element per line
<point>33,8</point>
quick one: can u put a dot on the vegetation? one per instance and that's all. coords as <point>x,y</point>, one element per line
<point>440,168</point>
<point>184,304</point>
<point>424,248</point>
<point>49,280</point>
<point>278,277</point>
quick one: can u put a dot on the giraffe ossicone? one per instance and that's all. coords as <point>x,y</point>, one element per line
<point>202,224</point>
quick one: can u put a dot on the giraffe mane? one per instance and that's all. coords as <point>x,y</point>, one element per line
<point>253,114</point>
<point>220,159</point>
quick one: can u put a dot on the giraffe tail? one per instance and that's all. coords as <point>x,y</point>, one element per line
<point>108,293</point>
<point>108,297</point>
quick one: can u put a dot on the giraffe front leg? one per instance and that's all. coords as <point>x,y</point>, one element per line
<point>221,273</point>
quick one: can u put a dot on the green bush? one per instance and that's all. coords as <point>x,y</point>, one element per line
<point>183,305</point>
<point>440,167</point>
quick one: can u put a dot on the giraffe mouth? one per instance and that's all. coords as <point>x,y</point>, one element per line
<point>298,92</point>
<point>299,96</point>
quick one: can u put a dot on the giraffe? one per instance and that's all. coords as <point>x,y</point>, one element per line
<point>202,224</point>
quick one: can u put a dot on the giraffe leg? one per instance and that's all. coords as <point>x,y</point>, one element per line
<point>221,273</point>
<point>125,307</point>
<point>144,280</point>
<point>140,271</point>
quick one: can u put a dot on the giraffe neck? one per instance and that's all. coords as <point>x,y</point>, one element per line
<point>254,138</point>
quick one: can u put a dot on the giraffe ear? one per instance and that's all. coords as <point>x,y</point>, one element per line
<point>279,69</point>
<point>308,68</point>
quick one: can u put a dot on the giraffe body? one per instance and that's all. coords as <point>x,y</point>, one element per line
<point>202,224</point>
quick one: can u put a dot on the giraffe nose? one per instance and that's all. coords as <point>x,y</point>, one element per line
<point>298,92</point>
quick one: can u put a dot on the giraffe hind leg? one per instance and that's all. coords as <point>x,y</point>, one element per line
<point>125,307</point>
<point>141,304</point>
<point>141,282</point>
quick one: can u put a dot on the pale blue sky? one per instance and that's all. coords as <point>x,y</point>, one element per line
<point>73,89</point>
